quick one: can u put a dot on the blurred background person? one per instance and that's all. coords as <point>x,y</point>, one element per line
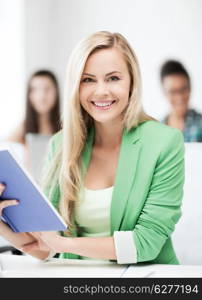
<point>42,107</point>
<point>42,119</point>
<point>177,88</point>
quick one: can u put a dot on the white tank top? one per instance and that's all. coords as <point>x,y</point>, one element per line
<point>92,212</point>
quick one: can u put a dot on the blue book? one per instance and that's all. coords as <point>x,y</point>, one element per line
<point>34,211</point>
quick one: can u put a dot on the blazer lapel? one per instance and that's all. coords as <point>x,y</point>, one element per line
<point>125,175</point>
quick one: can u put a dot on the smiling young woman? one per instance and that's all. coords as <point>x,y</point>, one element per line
<point>115,174</point>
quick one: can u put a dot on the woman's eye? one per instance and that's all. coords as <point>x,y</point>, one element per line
<point>114,78</point>
<point>87,79</point>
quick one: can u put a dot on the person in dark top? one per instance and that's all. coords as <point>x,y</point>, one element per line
<point>177,88</point>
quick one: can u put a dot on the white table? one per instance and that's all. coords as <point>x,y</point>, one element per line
<point>163,271</point>
<point>26,266</point>
<point>3,242</point>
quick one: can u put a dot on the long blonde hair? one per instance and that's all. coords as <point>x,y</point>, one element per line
<point>65,168</point>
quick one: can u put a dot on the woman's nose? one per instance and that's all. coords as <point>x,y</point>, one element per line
<point>101,89</point>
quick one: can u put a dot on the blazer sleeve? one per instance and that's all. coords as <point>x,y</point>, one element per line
<point>162,208</point>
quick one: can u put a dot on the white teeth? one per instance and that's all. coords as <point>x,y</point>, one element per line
<point>102,104</point>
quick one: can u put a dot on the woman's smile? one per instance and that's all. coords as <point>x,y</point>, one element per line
<point>103,105</point>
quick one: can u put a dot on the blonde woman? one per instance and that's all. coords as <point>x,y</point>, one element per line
<point>115,174</point>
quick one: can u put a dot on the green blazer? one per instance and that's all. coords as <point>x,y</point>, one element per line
<point>148,188</point>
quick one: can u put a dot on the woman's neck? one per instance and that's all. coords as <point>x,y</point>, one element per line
<point>44,124</point>
<point>108,136</point>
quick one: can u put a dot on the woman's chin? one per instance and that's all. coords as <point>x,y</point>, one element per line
<point>107,119</point>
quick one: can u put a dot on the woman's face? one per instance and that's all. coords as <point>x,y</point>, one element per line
<point>42,94</point>
<point>105,85</point>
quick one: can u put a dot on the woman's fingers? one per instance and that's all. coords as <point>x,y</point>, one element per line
<point>37,245</point>
<point>35,234</point>
<point>2,188</point>
<point>6,203</point>
<point>30,247</point>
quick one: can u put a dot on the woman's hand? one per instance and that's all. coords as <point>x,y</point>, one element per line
<point>18,240</point>
<point>45,241</point>
<point>5,203</point>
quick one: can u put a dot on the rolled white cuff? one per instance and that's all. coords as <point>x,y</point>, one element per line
<point>125,248</point>
<point>51,254</point>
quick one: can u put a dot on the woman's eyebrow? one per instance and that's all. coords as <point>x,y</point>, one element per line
<point>110,73</point>
<point>87,74</point>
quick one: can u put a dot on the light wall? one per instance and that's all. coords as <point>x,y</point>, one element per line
<point>41,34</point>
<point>157,29</point>
<point>12,64</point>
